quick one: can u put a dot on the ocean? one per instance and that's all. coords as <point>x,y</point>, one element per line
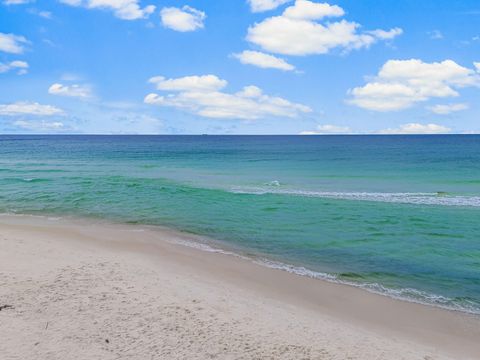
<point>396,215</point>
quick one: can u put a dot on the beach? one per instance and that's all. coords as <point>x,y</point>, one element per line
<point>86,289</point>
<point>254,179</point>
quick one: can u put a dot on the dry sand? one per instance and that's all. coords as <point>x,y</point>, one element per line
<point>85,290</point>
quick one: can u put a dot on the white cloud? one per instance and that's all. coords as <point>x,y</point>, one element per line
<point>16,2</point>
<point>40,126</point>
<point>477,66</point>
<point>265,5</point>
<point>447,108</point>
<point>328,129</point>
<point>12,43</point>
<point>29,108</point>
<point>81,91</point>
<point>405,129</point>
<point>189,83</point>
<point>263,60</point>
<point>402,83</point>
<point>72,2</point>
<point>386,35</point>
<point>298,32</point>
<point>20,66</point>
<point>309,10</point>
<point>184,19</point>
<point>202,96</point>
<point>123,9</point>
<point>414,128</point>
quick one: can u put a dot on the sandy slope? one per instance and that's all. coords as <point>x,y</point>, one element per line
<point>94,291</point>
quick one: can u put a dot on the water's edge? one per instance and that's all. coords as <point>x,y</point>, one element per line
<point>210,245</point>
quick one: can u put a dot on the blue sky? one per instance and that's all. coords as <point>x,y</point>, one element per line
<point>239,66</point>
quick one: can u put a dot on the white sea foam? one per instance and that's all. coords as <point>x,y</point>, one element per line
<point>405,294</point>
<point>14,213</point>
<point>273,183</point>
<point>403,198</point>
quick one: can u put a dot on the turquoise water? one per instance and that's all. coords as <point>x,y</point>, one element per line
<point>398,215</point>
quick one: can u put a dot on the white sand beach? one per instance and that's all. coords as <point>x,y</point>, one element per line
<point>81,289</point>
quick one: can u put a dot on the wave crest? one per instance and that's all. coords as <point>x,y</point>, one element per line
<point>436,198</point>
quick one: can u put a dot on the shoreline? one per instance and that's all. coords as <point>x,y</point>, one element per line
<point>345,310</point>
<point>203,243</point>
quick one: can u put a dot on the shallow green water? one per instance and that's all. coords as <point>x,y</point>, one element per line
<point>394,214</point>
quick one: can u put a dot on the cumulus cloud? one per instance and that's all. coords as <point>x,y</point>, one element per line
<point>20,66</point>
<point>189,83</point>
<point>265,5</point>
<point>12,43</point>
<point>402,83</point>
<point>415,128</point>
<point>298,31</point>
<point>445,109</point>
<point>183,20</point>
<point>328,129</point>
<point>29,108</point>
<point>123,9</point>
<point>263,60</point>
<point>203,96</point>
<point>308,10</point>
<point>75,90</point>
